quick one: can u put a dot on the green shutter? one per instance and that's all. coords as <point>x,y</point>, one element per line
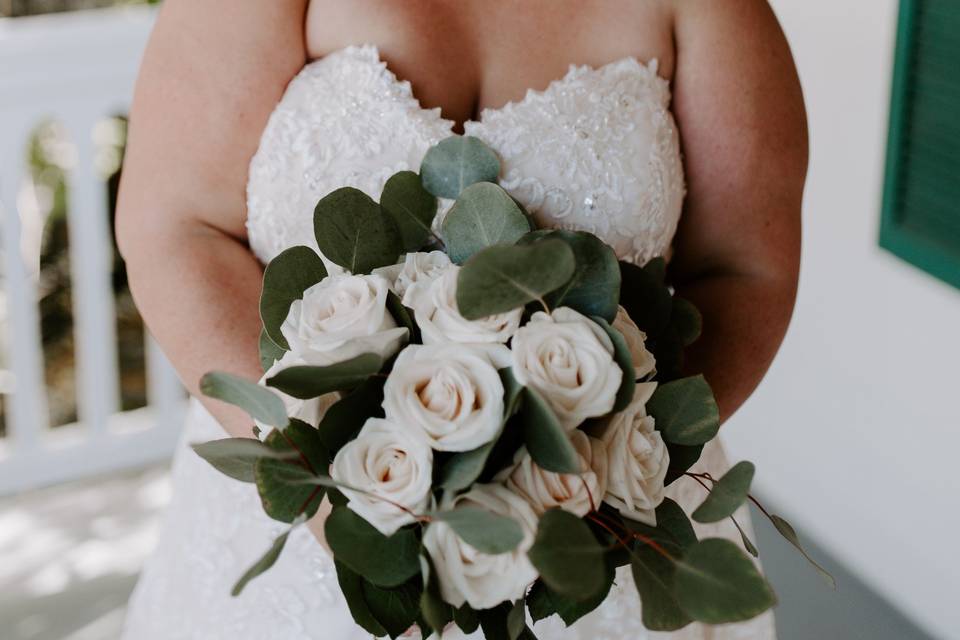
<point>921,204</point>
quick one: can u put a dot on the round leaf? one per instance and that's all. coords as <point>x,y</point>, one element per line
<point>545,438</point>
<point>500,279</point>
<point>269,351</point>
<point>309,381</point>
<point>717,583</point>
<point>281,483</point>
<point>654,575</point>
<point>568,556</point>
<point>727,494</point>
<point>411,207</point>
<point>285,279</point>
<point>351,585</point>
<point>258,401</point>
<point>483,216</point>
<point>344,419</point>
<point>685,411</point>
<point>354,232</point>
<point>455,163</point>
<point>386,561</point>
<point>485,531</point>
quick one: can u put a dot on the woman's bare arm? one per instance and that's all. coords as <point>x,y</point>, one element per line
<point>212,72</point>
<point>740,111</point>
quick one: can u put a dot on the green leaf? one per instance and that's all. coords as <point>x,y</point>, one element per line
<point>281,482</point>
<point>624,359</point>
<point>466,618</point>
<point>351,585</point>
<point>269,351</point>
<point>594,289</point>
<point>500,279</point>
<point>403,316</point>
<point>483,216</point>
<point>681,459</point>
<point>494,622</point>
<point>543,602</point>
<point>344,419</point>
<point>716,583</point>
<point>265,562</point>
<point>655,576</point>
<point>747,542</point>
<point>545,438</point>
<point>568,556</point>
<point>285,279</point>
<point>411,206</point>
<point>236,457</point>
<point>436,612</point>
<point>685,411</point>
<point>354,232</point>
<point>485,531</point>
<point>386,561</point>
<point>395,609</point>
<point>258,401</point>
<point>673,519</point>
<point>516,619</point>
<point>646,298</point>
<point>462,469</point>
<point>727,494</point>
<point>457,162</point>
<point>787,531</point>
<point>310,381</point>
<point>686,319</point>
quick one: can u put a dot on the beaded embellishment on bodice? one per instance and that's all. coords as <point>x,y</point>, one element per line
<point>597,150</point>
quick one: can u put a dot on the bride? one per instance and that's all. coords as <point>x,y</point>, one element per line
<point>246,114</point>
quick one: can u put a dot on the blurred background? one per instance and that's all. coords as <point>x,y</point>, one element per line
<point>855,431</point>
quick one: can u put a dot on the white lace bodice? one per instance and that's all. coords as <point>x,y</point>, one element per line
<point>596,150</point>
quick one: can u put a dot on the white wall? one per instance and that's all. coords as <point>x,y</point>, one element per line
<point>856,429</point>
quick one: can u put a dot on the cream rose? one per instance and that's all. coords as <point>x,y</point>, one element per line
<point>467,575</point>
<point>643,360</point>
<point>416,268</point>
<point>637,459</point>
<point>439,319</point>
<point>388,461</point>
<point>568,358</point>
<point>310,411</point>
<point>544,490</point>
<point>341,317</point>
<point>449,394</point>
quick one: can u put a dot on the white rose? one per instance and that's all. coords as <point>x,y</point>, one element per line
<point>568,358</point>
<point>637,459</point>
<point>643,360</point>
<point>439,319</point>
<point>480,579</point>
<point>310,411</point>
<point>450,394</point>
<point>388,461</point>
<point>416,268</point>
<point>544,490</point>
<point>342,317</point>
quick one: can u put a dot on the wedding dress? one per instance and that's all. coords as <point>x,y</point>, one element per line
<point>597,150</point>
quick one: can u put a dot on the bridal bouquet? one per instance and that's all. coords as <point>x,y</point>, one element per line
<point>493,411</point>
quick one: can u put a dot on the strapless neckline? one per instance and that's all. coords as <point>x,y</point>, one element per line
<point>649,68</point>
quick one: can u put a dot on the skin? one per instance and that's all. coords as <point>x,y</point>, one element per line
<point>212,74</point>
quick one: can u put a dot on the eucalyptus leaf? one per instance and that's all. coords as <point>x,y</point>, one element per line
<point>594,288</point>
<point>403,316</point>
<point>495,623</point>
<point>395,609</point>
<point>343,420</point>
<point>266,561</point>
<point>624,359</point>
<point>544,602</point>
<point>686,320</point>
<point>268,350</point>
<point>646,298</point>
<point>727,494</point>
<point>681,459</point>
<point>654,576</point>
<point>310,381</point>
<point>258,401</point>
<point>685,411</point>
<point>386,561</point>
<point>747,542</point>
<point>483,216</point>
<point>411,206</point>
<point>516,619</point>
<point>485,531</point>
<point>672,518</point>
<point>354,232</point>
<point>545,438</point>
<point>455,163</point>
<point>466,618</point>
<point>787,531</point>
<point>285,278</point>
<point>437,613</point>
<point>280,482</point>
<point>462,469</point>
<point>500,279</point>
<point>568,556</point>
<point>716,583</point>
<point>236,457</point>
<point>351,585</point>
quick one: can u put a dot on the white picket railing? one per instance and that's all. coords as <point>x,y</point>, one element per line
<point>76,69</point>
